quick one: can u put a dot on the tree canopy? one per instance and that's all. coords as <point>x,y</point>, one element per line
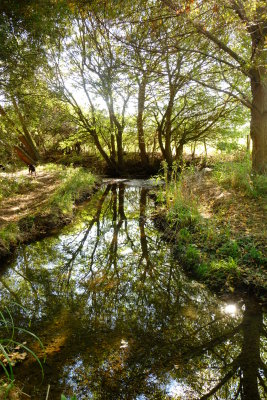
<point>133,77</point>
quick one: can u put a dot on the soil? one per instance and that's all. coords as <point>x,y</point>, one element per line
<point>20,205</point>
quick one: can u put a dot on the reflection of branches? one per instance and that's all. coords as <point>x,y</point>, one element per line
<point>222,382</point>
<point>143,237</point>
<point>70,263</point>
<point>113,249</point>
<point>11,291</point>
<point>264,368</point>
<point>208,345</point>
<point>248,362</point>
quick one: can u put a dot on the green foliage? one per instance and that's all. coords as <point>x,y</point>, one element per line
<point>75,182</point>
<point>181,215</point>
<point>65,398</point>
<point>192,254</point>
<point>223,266</point>
<point>9,235</point>
<point>251,255</point>
<point>227,147</point>
<point>230,249</point>
<point>184,235</point>
<point>237,174</point>
<point>10,186</point>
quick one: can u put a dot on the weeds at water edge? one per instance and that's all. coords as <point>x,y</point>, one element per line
<point>13,350</point>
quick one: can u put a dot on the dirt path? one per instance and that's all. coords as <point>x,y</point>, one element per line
<point>20,205</point>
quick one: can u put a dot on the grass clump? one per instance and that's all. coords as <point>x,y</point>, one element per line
<point>9,235</point>
<point>230,249</point>
<point>237,174</point>
<point>74,185</point>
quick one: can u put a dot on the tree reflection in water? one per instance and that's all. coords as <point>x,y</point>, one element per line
<point>119,318</point>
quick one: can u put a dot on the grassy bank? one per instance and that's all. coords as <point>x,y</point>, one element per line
<point>37,206</point>
<point>216,220</point>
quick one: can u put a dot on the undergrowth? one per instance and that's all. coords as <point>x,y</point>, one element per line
<point>10,185</point>
<point>205,246</point>
<point>238,174</point>
<point>9,234</point>
<point>74,183</point>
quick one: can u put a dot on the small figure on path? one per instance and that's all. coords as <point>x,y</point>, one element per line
<point>32,169</point>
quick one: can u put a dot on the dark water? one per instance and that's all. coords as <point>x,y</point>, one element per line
<point>120,320</point>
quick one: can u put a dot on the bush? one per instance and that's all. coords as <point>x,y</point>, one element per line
<point>228,147</point>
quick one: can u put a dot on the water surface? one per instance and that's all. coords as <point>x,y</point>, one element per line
<point>120,320</point>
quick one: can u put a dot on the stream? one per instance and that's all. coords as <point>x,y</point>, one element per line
<point>118,317</point>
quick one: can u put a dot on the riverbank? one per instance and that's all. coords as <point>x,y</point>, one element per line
<point>34,207</point>
<point>107,291</point>
<point>218,229</point>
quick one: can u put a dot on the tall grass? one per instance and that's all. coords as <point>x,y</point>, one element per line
<point>238,174</point>
<point>75,182</point>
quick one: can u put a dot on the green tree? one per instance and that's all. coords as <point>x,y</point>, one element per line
<point>234,33</point>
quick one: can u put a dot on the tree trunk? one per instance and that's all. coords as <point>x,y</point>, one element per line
<point>140,126</point>
<point>193,151</point>
<point>34,153</point>
<point>168,127</point>
<point>179,152</point>
<point>113,148</point>
<point>120,149</point>
<point>258,126</point>
<point>205,147</point>
<point>109,161</point>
